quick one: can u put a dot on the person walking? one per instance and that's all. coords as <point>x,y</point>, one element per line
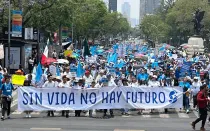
<point>202,100</point>
<point>30,64</point>
<point>6,91</point>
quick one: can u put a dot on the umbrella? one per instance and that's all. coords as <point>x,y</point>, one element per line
<point>183,44</point>
<point>62,61</point>
<point>49,60</point>
<point>171,47</point>
<point>139,55</point>
<point>75,55</point>
<point>186,46</point>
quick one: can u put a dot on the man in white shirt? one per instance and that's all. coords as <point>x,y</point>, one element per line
<point>64,84</point>
<point>88,78</point>
<point>67,72</point>
<point>49,84</point>
<point>100,75</point>
<point>154,82</point>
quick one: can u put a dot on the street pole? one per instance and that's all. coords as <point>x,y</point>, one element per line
<point>72,32</point>
<point>9,22</point>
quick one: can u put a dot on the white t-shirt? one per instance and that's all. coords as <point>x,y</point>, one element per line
<point>134,84</point>
<point>88,80</point>
<point>195,88</point>
<point>111,83</point>
<point>48,84</point>
<point>64,85</point>
<point>154,83</point>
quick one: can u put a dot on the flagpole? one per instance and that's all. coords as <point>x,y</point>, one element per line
<point>9,22</point>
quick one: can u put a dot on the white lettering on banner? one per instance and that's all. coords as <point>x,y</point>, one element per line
<point>30,98</point>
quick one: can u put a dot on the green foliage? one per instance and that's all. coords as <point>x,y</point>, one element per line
<point>90,18</point>
<point>178,16</point>
<point>153,27</point>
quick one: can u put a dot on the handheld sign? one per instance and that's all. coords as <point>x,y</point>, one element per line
<point>18,79</point>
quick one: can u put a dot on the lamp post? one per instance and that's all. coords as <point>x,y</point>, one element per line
<point>156,39</point>
<point>9,22</point>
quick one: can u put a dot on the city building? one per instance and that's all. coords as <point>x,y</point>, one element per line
<point>126,11</point>
<point>148,7</point>
<point>134,22</point>
<point>112,5</point>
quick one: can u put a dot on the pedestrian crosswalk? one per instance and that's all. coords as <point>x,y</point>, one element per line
<point>172,113</point>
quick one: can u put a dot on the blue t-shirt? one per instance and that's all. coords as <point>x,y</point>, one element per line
<point>142,76</point>
<point>7,89</point>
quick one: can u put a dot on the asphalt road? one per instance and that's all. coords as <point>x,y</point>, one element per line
<point>158,121</point>
<point>118,123</point>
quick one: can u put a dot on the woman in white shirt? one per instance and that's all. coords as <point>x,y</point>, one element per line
<point>49,84</point>
<point>195,89</point>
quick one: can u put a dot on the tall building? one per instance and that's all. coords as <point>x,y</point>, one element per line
<point>148,7</point>
<point>112,5</point>
<point>126,11</point>
<point>134,22</point>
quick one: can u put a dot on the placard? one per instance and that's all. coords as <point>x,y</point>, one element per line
<point>18,79</point>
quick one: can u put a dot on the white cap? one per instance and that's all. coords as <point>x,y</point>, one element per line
<point>154,76</point>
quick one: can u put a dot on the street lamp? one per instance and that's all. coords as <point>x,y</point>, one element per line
<point>156,36</point>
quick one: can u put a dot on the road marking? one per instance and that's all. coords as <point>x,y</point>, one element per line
<point>71,114</point>
<point>164,115</point>
<point>182,115</point>
<point>35,113</point>
<point>126,116</point>
<point>14,93</point>
<point>14,103</point>
<point>127,130</point>
<point>16,112</point>
<point>46,129</point>
<point>56,113</point>
<point>146,116</point>
<point>196,114</point>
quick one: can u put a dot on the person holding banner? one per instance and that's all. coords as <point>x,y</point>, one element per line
<point>28,82</point>
<point>6,95</point>
<point>153,82</point>
<point>65,84</point>
<point>49,84</point>
<point>80,85</point>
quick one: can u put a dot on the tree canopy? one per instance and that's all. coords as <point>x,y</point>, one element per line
<point>89,18</point>
<point>176,18</point>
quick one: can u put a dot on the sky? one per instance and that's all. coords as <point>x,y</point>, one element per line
<point>134,7</point>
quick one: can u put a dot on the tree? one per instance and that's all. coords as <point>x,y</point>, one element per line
<point>114,24</point>
<point>153,27</point>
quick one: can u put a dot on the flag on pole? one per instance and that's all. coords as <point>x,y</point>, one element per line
<point>58,73</point>
<point>38,73</point>
<point>45,53</point>
<point>80,70</point>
